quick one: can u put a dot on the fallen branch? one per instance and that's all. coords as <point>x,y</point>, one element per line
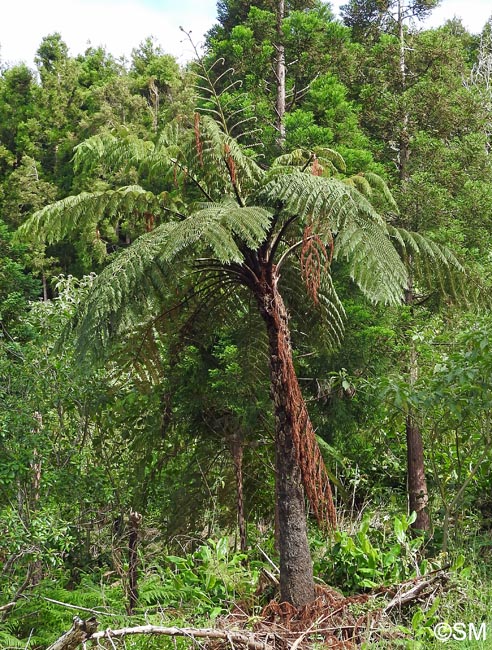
<point>247,640</point>
<point>8,606</point>
<point>78,607</point>
<point>79,633</point>
<point>416,591</point>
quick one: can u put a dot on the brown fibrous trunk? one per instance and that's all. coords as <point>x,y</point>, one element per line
<point>298,462</point>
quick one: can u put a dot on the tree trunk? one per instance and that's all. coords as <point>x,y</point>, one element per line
<point>418,497</point>
<point>78,634</point>
<point>135,521</point>
<point>417,484</point>
<point>404,144</point>
<point>298,461</point>
<point>237,455</point>
<point>280,74</point>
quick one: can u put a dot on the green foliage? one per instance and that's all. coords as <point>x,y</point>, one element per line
<point>207,582</point>
<point>371,557</point>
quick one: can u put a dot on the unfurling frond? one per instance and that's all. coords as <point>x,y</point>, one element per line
<point>83,211</point>
<point>221,161</point>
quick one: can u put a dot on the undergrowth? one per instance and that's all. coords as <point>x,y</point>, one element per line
<point>199,587</point>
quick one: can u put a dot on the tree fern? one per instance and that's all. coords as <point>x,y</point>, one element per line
<point>247,233</point>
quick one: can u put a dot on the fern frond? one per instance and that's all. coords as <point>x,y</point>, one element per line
<point>361,183</point>
<point>133,286</point>
<point>327,202</point>
<point>54,222</point>
<point>331,158</point>
<point>430,264</point>
<point>333,207</point>
<point>301,158</point>
<point>219,158</point>
<point>374,263</point>
<point>117,152</point>
<point>379,184</point>
<point>326,317</point>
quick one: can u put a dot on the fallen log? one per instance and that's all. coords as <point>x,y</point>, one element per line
<point>417,590</point>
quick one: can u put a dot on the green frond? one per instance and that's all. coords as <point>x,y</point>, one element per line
<point>361,183</point>
<point>326,202</point>
<point>332,312</point>
<point>116,152</point>
<point>431,265</point>
<point>330,157</point>
<point>300,158</point>
<point>83,211</point>
<point>136,284</point>
<point>374,263</point>
<point>295,158</point>
<point>379,184</point>
<point>375,189</point>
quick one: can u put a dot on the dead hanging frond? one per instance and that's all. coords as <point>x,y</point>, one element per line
<point>314,476</point>
<point>315,260</point>
<point>316,168</point>
<point>149,221</point>
<point>230,163</point>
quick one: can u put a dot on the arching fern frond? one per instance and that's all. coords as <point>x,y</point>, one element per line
<point>431,265</point>
<point>373,261</point>
<point>115,151</point>
<point>332,207</point>
<point>133,286</point>
<point>320,160</point>
<point>327,202</point>
<point>379,185</point>
<point>54,222</point>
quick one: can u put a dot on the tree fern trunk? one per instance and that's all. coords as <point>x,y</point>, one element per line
<point>417,484</point>
<point>298,462</point>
